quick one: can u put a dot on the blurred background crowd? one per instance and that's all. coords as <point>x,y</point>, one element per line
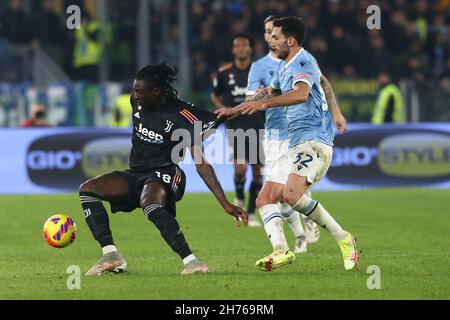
<point>117,37</point>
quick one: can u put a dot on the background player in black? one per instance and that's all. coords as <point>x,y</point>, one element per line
<point>154,181</point>
<point>229,89</point>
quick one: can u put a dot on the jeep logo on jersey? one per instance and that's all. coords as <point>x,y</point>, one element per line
<point>393,156</point>
<point>63,161</point>
<point>145,133</point>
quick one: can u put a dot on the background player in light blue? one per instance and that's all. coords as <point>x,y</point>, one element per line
<point>297,85</point>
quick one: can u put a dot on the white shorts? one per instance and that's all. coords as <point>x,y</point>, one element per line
<point>311,159</point>
<point>277,164</point>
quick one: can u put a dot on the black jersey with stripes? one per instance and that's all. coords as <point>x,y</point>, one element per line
<point>152,132</point>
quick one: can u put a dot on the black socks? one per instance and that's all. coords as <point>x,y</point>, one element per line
<point>96,218</point>
<point>169,228</point>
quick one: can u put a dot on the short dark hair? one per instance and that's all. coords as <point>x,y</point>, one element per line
<point>292,27</point>
<point>243,35</point>
<point>272,17</point>
<point>160,75</point>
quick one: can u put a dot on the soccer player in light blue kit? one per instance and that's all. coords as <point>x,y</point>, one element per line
<point>275,144</point>
<point>297,86</point>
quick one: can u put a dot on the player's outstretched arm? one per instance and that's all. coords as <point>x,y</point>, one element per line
<point>261,95</point>
<point>338,119</point>
<point>207,173</point>
<point>298,94</point>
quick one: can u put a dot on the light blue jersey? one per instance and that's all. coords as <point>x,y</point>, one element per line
<point>260,76</point>
<point>310,120</point>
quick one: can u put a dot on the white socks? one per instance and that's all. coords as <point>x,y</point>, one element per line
<point>293,219</point>
<point>273,224</point>
<point>108,249</point>
<point>319,215</point>
<point>189,258</point>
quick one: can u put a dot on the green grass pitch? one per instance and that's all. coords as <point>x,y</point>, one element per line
<point>405,232</point>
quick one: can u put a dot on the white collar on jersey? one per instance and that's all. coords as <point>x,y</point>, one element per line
<point>294,57</point>
<point>273,58</point>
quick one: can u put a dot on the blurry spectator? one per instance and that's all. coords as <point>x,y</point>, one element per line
<point>87,49</point>
<point>49,32</point>
<point>389,106</point>
<point>395,34</point>
<point>17,24</point>
<point>319,48</point>
<point>38,117</point>
<point>121,52</point>
<point>7,67</point>
<point>446,73</point>
<point>416,63</point>
<point>377,58</point>
<point>445,78</point>
<point>422,18</point>
<point>341,54</point>
<point>121,115</point>
<point>413,42</point>
<point>439,52</point>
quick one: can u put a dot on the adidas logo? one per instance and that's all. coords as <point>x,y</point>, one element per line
<point>137,115</point>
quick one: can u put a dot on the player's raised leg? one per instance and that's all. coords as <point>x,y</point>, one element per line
<point>294,195</point>
<point>157,204</point>
<point>267,202</point>
<point>108,187</point>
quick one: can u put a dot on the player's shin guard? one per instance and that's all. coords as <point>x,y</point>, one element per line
<point>239,183</point>
<point>169,229</point>
<point>293,219</point>
<point>314,210</point>
<point>273,224</point>
<point>255,187</point>
<point>96,218</point>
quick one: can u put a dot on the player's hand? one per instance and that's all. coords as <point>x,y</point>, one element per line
<point>251,107</point>
<point>238,213</point>
<point>225,112</point>
<point>340,123</point>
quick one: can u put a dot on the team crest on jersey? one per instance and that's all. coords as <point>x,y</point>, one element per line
<point>169,125</point>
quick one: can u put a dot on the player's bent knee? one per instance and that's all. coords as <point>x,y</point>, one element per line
<point>88,186</point>
<point>290,198</point>
<point>153,194</point>
<point>261,201</point>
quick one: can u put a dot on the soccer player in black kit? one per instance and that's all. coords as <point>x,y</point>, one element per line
<point>229,90</point>
<point>154,181</point>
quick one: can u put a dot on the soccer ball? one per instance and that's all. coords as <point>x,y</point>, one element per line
<point>60,231</point>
